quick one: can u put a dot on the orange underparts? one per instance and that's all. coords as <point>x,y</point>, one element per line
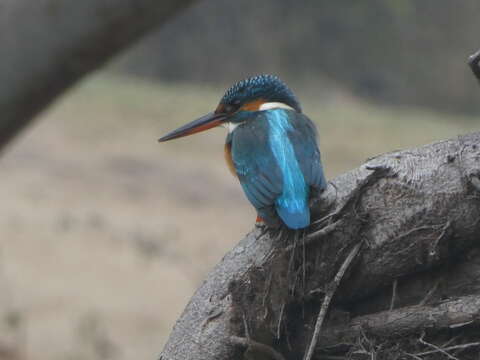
<point>228,159</point>
<point>253,105</point>
<point>259,219</point>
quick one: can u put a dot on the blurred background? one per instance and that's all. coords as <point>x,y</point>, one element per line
<point>105,233</point>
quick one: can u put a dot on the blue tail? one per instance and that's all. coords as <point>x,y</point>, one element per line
<point>294,217</point>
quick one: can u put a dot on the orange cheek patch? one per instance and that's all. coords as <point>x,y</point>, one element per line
<point>253,106</point>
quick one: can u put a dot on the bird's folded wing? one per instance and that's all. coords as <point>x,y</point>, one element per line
<point>255,164</point>
<point>303,136</point>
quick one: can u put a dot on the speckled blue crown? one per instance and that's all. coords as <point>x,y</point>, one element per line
<point>267,87</point>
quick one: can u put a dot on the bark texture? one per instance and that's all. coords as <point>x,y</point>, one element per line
<point>47,45</point>
<point>417,214</point>
<point>448,314</point>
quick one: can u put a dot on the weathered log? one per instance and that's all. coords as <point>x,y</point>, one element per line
<point>46,46</point>
<point>414,210</point>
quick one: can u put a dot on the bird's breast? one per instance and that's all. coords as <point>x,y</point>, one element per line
<point>229,159</point>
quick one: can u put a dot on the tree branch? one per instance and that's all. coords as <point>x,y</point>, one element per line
<point>418,209</point>
<point>46,46</point>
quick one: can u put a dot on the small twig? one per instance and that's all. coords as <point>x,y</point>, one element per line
<point>279,235</point>
<point>372,353</point>
<point>265,349</point>
<point>394,294</point>
<point>213,314</point>
<point>316,291</point>
<point>280,318</point>
<point>430,293</point>
<point>291,262</point>
<point>332,288</point>
<point>327,230</point>
<point>455,326</point>
<point>454,347</point>
<point>433,247</point>
<point>245,325</point>
<point>268,285</point>
<point>415,356</point>
<point>450,341</point>
<point>304,261</point>
<point>321,220</point>
<point>437,349</point>
<point>419,228</point>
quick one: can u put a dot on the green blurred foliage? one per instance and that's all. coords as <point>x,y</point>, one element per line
<point>397,51</point>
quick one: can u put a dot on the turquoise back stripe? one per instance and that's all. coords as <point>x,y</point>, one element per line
<point>292,205</point>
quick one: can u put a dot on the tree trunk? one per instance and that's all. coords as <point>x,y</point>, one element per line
<point>417,214</point>
<point>47,45</point>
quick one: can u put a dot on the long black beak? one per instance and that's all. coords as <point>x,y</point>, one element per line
<point>204,123</point>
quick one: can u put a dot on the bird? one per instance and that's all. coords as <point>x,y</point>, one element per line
<point>271,147</point>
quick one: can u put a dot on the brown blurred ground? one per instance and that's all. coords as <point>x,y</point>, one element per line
<point>105,233</point>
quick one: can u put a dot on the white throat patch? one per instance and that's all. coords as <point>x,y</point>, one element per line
<point>274,105</point>
<point>231,126</point>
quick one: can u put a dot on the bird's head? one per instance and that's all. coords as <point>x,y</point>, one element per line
<point>258,93</point>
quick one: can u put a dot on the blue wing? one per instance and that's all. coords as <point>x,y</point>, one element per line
<point>254,163</point>
<point>303,136</point>
<point>276,158</point>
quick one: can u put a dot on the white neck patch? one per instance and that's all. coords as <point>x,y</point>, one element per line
<point>265,106</point>
<point>231,126</point>
<point>274,105</point>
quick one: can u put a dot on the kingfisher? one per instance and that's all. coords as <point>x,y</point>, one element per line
<point>271,147</point>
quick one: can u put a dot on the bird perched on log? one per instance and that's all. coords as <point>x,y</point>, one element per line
<point>271,147</point>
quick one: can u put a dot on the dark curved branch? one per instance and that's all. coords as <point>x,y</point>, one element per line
<point>46,46</point>
<point>473,62</point>
<point>415,210</point>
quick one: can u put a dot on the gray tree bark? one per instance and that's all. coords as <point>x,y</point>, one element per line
<point>47,45</point>
<point>417,214</point>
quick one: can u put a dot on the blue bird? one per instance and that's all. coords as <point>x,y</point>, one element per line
<point>271,147</point>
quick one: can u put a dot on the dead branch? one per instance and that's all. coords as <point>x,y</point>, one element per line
<point>437,348</point>
<point>451,314</point>
<point>449,348</point>
<point>417,212</point>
